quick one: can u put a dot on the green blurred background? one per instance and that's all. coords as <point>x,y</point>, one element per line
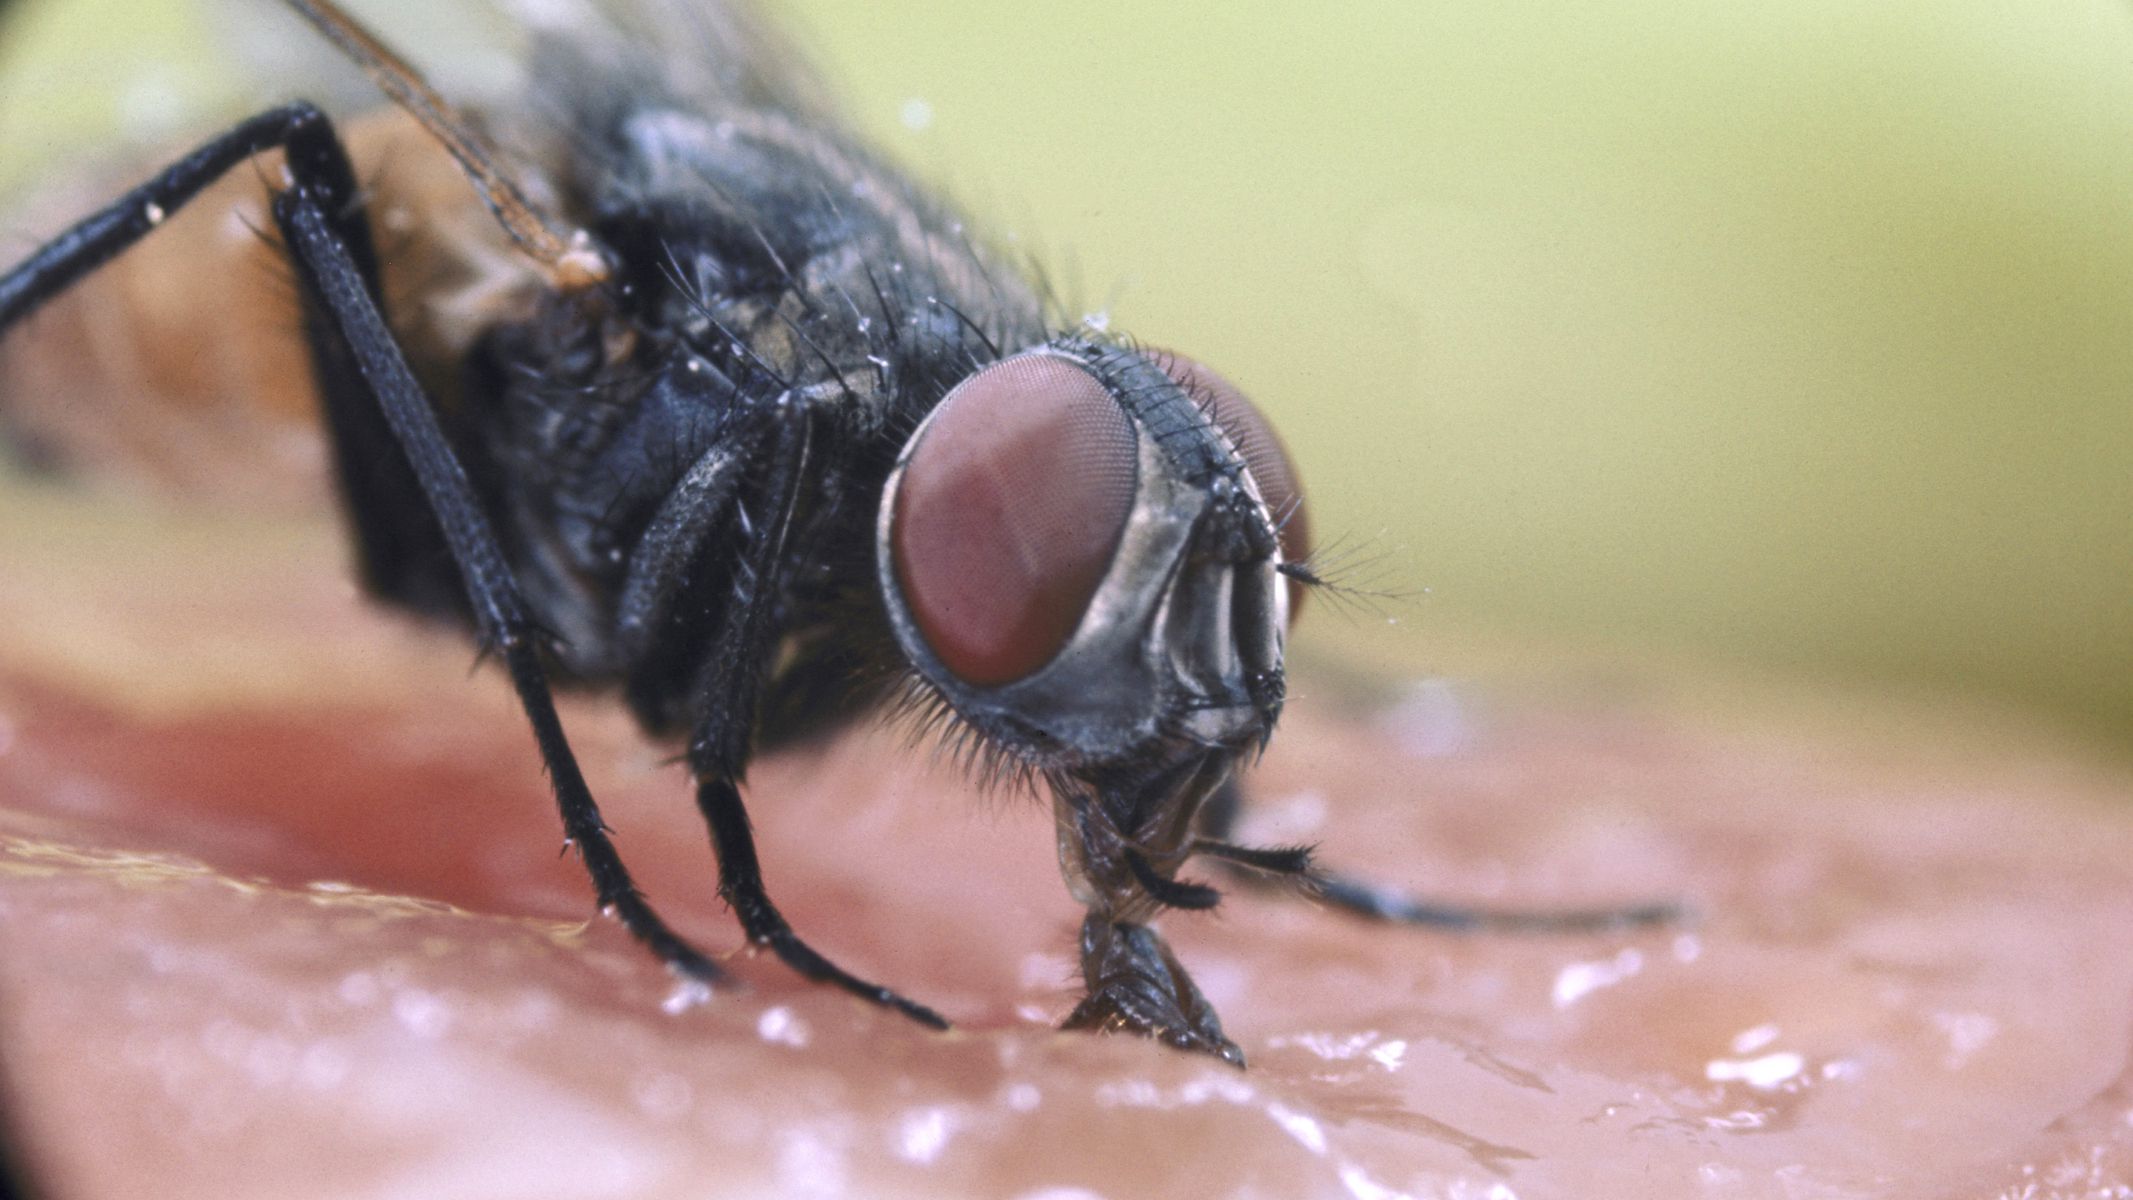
<point>1791,337</point>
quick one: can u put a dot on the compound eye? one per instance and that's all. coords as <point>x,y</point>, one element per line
<point>1009,512</point>
<point>1264,456</point>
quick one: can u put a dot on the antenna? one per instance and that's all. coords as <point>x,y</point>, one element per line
<point>566,251</point>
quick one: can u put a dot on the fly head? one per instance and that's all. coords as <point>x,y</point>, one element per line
<point>1081,551</point>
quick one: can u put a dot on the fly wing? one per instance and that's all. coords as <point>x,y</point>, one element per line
<point>179,368</point>
<point>705,55</point>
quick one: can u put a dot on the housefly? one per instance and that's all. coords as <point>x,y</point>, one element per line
<point>744,427</point>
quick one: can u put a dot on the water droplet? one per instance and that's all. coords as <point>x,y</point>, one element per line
<point>1305,1130</point>
<point>782,1027</point>
<point>1579,980</point>
<point>687,994</point>
<point>1760,1073</point>
<point>424,1014</point>
<point>922,1134</point>
<point>1748,1041</point>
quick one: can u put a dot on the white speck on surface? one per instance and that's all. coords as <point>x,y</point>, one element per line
<point>916,115</point>
<point>1023,1097</point>
<point>1361,1186</point>
<point>1748,1041</point>
<point>687,994</point>
<point>1333,1047</point>
<point>922,1134</point>
<point>1762,1073</point>
<point>780,1026</point>
<point>1967,1033</point>
<point>1224,1086</point>
<point>424,1014</point>
<point>1389,1054</point>
<point>1579,980</point>
<point>154,212</point>
<point>1305,1130</point>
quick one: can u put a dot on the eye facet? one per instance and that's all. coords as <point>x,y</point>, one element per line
<point>1264,455</point>
<point>1009,512</point>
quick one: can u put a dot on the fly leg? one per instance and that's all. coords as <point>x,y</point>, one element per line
<point>1381,903</point>
<point>329,245</point>
<point>322,224</point>
<point>101,237</point>
<point>729,690</point>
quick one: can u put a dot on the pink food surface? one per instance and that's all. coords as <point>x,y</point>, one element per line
<point>282,912</point>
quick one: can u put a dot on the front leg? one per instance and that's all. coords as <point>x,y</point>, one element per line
<point>728,691</point>
<point>318,215</point>
<point>1378,902</point>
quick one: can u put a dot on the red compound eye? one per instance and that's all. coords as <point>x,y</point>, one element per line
<point>1009,513</point>
<point>1264,455</point>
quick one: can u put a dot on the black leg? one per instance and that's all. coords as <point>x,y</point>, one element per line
<point>344,297</point>
<point>1365,899</point>
<point>330,248</point>
<point>57,264</point>
<point>730,688</point>
<point>1390,904</point>
<point>740,881</point>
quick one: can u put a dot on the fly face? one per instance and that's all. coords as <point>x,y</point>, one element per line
<point>1081,547</point>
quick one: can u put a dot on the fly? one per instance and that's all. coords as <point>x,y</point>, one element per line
<point>750,432</point>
